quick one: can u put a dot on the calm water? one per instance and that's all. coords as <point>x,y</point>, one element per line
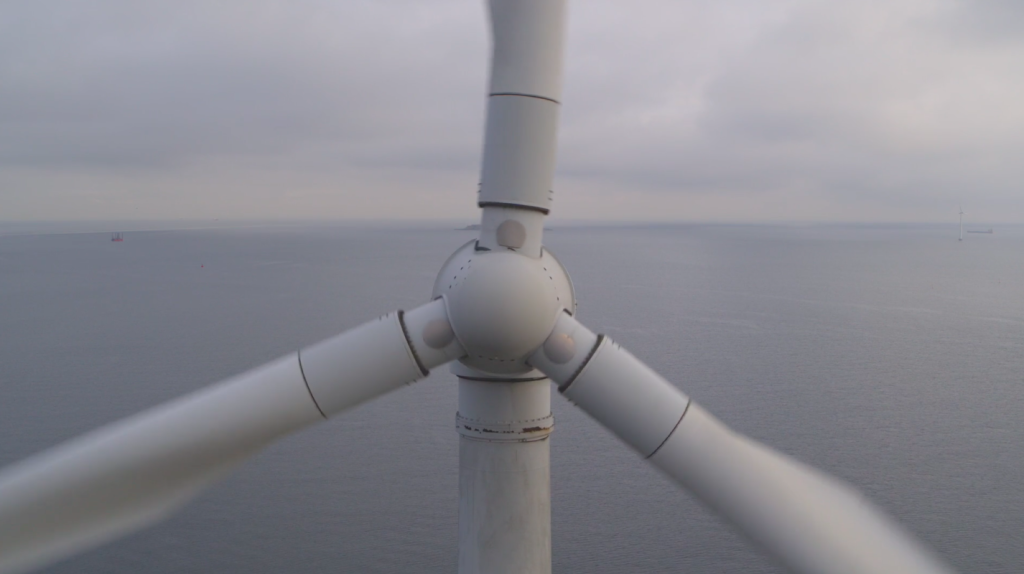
<point>890,356</point>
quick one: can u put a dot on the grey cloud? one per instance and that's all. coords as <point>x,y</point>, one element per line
<point>867,98</point>
<point>128,84</point>
<point>893,102</point>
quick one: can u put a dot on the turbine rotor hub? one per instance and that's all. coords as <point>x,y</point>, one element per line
<point>502,305</point>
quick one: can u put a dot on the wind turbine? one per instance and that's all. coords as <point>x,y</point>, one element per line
<point>961,210</point>
<point>503,309</point>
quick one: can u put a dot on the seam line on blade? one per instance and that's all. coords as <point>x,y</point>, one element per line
<point>673,431</point>
<point>525,96</point>
<point>543,210</point>
<point>583,365</point>
<point>502,380</point>
<point>298,357</point>
<point>412,348</point>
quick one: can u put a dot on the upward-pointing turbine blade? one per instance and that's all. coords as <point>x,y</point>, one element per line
<point>134,472</point>
<point>812,522</point>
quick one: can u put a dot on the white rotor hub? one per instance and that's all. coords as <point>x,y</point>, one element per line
<point>502,305</point>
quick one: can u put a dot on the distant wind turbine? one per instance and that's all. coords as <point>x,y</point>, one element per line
<point>961,209</point>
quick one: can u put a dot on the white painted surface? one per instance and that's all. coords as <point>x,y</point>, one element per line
<point>520,143</point>
<point>505,478</point>
<point>628,397</point>
<point>614,387</point>
<point>502,305</point>
<point>431,322</point>
<point>134,472</point>
<point>813,522</point>
<point>584,342</point>
<point>489,402</point>
<point>523,107</point>
<point>359,364</point>
<point>533,221</point>
<point>528,38</point>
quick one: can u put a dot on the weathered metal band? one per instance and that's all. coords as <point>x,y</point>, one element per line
<point>519,431</point>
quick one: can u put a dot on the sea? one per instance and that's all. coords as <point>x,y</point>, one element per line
<point>889,355</point>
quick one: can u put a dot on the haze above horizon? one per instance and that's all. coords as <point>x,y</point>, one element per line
<point>735,111</point>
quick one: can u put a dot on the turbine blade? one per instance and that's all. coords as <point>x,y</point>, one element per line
<point>521,133</point>
<point>133,473</point>
<point>812,522</point>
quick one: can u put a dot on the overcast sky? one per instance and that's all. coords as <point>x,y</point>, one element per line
<point>720,110</point>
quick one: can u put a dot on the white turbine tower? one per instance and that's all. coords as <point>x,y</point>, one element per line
<point>503,308</point>
<point>961,210</point>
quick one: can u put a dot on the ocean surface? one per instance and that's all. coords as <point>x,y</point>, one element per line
<point>891,356</point>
